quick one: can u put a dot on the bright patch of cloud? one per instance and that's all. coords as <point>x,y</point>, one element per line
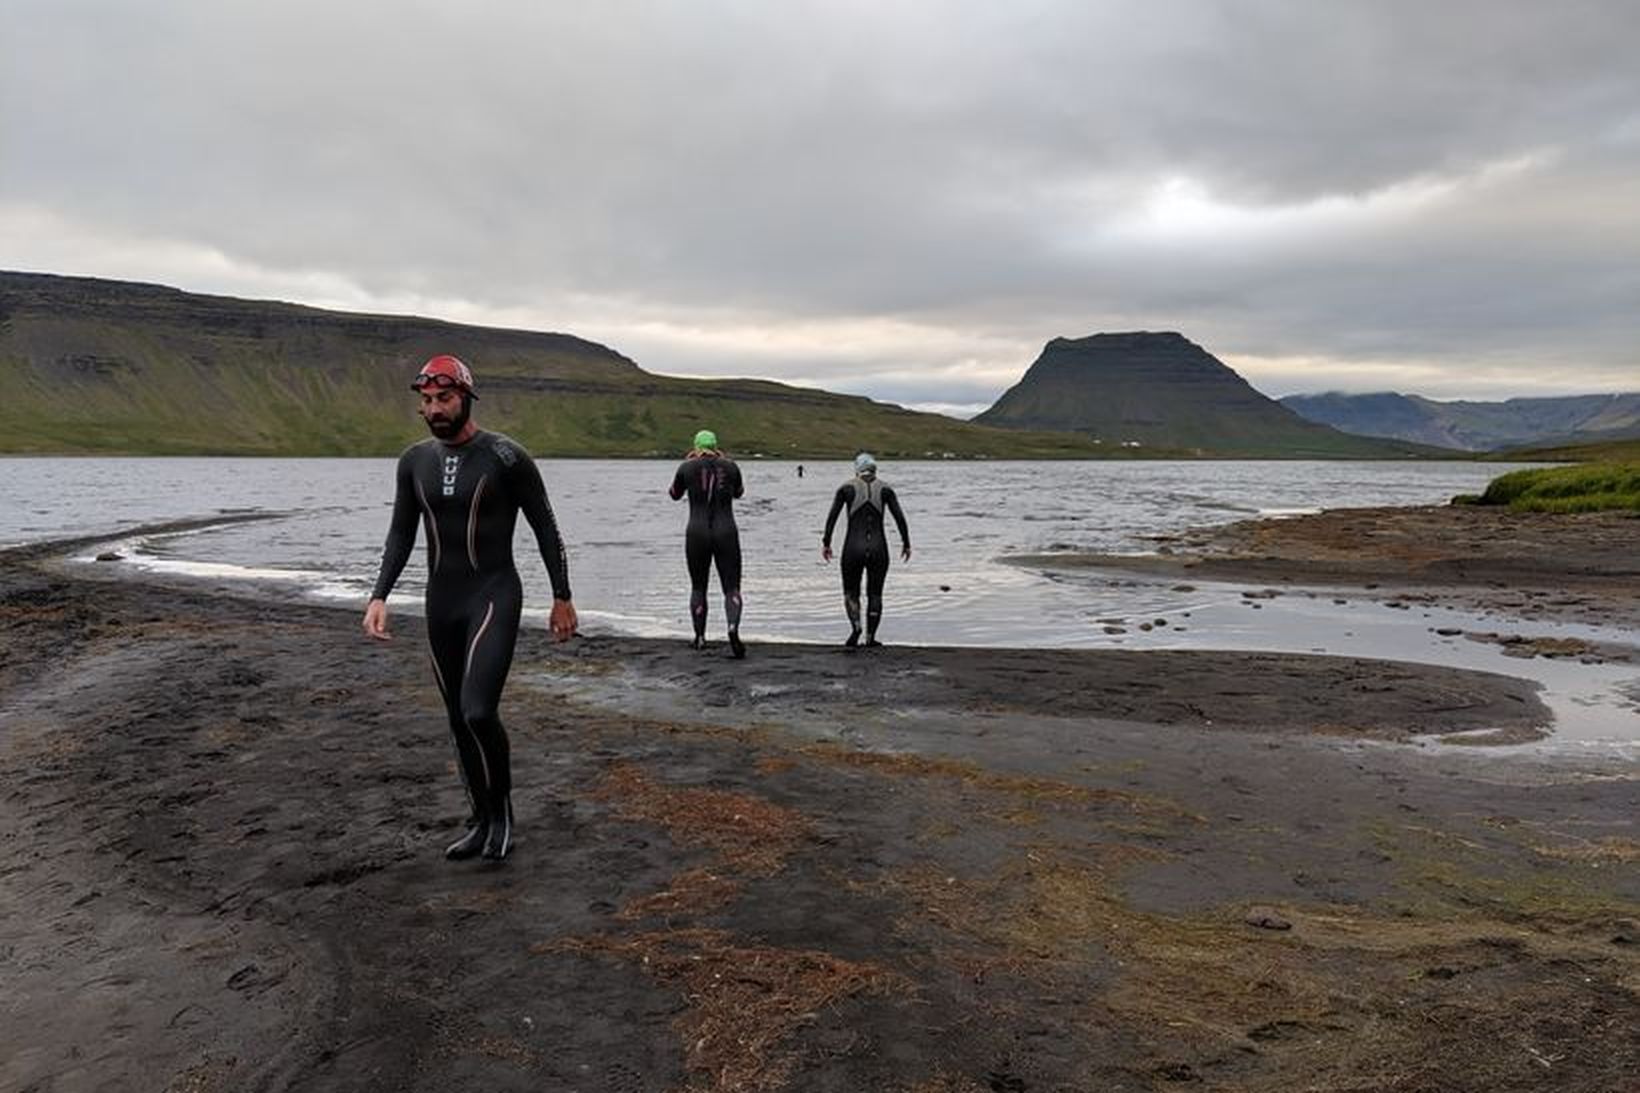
<point>962,410</point>
<point>1182,210</point>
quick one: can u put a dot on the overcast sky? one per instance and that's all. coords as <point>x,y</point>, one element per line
<point>901,199</point>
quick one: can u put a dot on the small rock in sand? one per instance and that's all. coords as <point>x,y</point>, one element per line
<point>1266,919</point>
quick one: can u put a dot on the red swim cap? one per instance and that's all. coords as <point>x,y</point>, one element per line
<point>444,371</point>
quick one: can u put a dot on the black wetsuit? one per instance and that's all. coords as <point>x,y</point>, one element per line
<point>865,547</point>
<point>469,497</point>
<point>712,482</point>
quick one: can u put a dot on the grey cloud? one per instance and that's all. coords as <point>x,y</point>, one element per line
<point>949,165</point>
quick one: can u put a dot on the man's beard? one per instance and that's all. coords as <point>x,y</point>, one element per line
<point>445,428</point>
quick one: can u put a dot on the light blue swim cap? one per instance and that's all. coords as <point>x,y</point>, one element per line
<point>864,462</point>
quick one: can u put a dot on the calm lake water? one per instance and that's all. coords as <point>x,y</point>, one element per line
<point>625,536</point>
<point>625,539</point>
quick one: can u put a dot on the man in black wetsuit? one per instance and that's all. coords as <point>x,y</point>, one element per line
<point>467,487</point>
<point>712,482</point>
<point>865,546</point>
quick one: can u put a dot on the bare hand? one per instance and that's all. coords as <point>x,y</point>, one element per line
<point>825,553</point>
<point>375,621</point>
<point>563,621</point>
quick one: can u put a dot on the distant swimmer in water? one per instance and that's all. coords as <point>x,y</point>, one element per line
<point>800,470</point>
<point>467,488</point>
<point>865,546</point>
<point>712,482</point>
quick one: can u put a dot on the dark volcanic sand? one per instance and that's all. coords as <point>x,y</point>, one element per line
<point>932,871</point>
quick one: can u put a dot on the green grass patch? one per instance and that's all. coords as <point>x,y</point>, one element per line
<point>1606,451</point>
<point>1445,874</point>
<point>1586,487</point>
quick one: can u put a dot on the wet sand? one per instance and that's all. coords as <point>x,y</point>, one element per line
<point>1582,567</point>
<point>921,870</point>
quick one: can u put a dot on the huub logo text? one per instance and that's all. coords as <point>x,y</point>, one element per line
<point>451,462</point>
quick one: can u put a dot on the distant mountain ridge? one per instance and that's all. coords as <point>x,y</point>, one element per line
<point>92,365</point>
<point>1162,390</point>
<point>1476,426</point>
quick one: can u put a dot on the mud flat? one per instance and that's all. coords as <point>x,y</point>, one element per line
<point>917,870</point>
<point>1582,567</point>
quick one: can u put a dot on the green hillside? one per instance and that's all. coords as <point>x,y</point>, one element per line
<point>93,366</point>
<point>1609,451</point>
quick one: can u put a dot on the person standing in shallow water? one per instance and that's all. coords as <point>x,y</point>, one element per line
<point>865,545</point>
<point>711,481</point>
<point>467,487</point>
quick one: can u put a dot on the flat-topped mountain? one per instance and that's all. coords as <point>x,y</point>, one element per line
<point>1477,426</point>
<point>1163,390</point>
<point>91,365</point>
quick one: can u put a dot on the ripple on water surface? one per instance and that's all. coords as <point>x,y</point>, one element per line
<point>625,545</point>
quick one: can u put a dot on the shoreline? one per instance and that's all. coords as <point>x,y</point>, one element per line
<point>1579,567</point>
<point>1505,706</point>
<point>1295,608</point>
<point>923,870</point>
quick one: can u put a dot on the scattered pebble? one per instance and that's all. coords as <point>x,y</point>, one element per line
<point>1266,919</point>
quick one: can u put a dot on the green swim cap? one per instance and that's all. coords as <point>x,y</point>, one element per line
<point>706,438</point>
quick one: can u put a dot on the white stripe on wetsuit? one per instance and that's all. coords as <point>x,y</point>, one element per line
<point>432,528</point>
<point>472,524</point>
